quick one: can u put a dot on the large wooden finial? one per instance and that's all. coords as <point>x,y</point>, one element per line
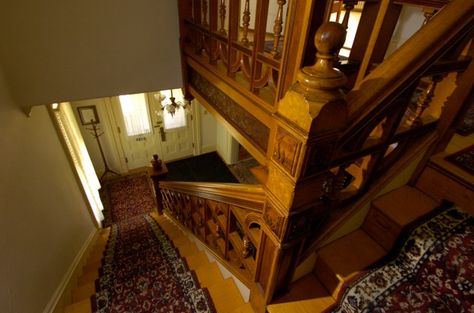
<point>318,87</point>
<point>322,81</point>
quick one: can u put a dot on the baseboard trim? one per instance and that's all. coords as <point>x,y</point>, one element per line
<point>61,297</point>
<point>208,149</point>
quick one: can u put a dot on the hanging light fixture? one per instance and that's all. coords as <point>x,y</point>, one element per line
<point>174,105</point>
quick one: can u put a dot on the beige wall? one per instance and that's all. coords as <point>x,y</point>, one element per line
<point>227,147</point>
<point>58,50</point>
<point>44,222</point>
<point>410,21</point>
<point>208,129</point>
<point>110,144</point>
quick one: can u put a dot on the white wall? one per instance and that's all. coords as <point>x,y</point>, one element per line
<point>410,20</point>
<point>57,50</point>
<point>110,145</point>
<point>208,129</point>
<point>44,221</point>
<point>227,147</point>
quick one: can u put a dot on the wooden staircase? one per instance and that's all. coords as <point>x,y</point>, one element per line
<point>224,292</point>
<point>343,258</point>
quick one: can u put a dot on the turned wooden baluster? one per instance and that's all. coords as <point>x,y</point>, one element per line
<point>424,100</point>
<point>428,14</point>
<point>348,7</point>
<point>336,184</point>
<point>204,13</point>
<point>222,14</point>
<point>246,22</point>
<point>277,28</point>
<point>247,247</point>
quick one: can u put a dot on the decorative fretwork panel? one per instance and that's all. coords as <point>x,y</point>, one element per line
<point>241,39</point>
<point>233,232</point>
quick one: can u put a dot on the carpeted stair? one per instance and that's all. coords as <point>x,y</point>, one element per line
<point>224,293</point>
<point>345,257</point>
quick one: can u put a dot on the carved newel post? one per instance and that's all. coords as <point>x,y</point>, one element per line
<point>309,120</point>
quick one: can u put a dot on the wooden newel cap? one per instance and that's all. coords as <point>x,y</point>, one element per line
<point>329,39</point>
<point>322,80</point>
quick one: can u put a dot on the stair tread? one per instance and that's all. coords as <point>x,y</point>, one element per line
<point>208,274</point>
<point>88,277</point>
<point>83,292</point>
<point>187,249</point>
<point>246,308</point>
<point>351,253</point>
<point>404,205</point>
<point>226,296</point>
<point>83,306</point>
<point>306,295</point>
<point>196,260</point>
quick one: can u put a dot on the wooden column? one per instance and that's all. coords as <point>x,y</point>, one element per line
<point>309,120</point>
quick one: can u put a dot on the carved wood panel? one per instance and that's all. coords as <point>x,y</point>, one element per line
<point>273,219</point>
<point>286,150</point>
<point>245,122</point>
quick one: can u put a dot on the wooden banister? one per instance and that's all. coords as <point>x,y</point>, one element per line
<point>245,195</point>
<point>227,218</point>
<point>412,59</point>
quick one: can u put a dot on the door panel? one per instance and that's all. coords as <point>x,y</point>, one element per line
<point>176,143</point>
<point>179,142</point>
<point>168,144</point>
<point>138,149</point>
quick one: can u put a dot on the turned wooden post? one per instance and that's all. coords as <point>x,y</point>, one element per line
<point>277,28</point>
<point>310,118</point>
<point>246,23</point>
<point>348,7</point>
<point>222,14</point>
<point>204,13</point>
<point>424,100</point>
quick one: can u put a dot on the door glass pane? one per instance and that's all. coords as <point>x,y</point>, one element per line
<point>179,118</point>
<point>135,114</point>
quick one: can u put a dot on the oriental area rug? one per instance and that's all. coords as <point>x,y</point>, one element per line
<point>433,271</point>
<point>141,270</point>
<point>127,196</point>
<point>463,159</point>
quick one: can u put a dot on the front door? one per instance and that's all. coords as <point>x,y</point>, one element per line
<point>176,130</point>
<point>145,129</point>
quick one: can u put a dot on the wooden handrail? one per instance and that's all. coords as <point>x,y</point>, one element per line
<point>244,195</point>
<point>227,218</point>
<point>411,60</point>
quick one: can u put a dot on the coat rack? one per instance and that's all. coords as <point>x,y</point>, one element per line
<point>95,132</point>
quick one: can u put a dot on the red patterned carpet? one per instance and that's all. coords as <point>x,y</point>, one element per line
<point>127,196</point>
<point>433,272</point>
<point>141,269</point>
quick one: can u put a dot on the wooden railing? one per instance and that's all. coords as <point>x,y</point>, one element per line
<point>227,218</point>
<point>402,99</point>
<point>322,147</point>
<point>242,40</point>
<point>239,58</point>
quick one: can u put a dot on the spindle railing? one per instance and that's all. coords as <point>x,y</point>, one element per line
<point>227,218</point>
<point>325,147</point>
<point>240,39</point>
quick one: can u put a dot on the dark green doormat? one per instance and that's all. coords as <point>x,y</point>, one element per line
<point>207,167</point>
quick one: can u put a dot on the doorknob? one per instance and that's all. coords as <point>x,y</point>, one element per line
<point>162,133</point>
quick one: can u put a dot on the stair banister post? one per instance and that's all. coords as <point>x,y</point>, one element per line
<point>309,119</point>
